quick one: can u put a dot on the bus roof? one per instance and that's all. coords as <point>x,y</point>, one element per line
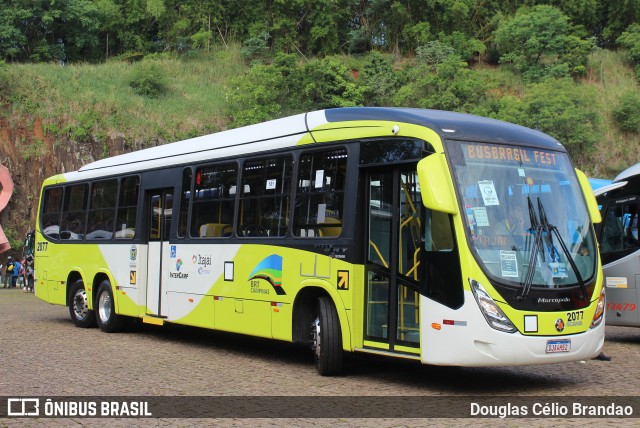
<point>629,172</point>
<point>450,124</point>
<point>289,130</point>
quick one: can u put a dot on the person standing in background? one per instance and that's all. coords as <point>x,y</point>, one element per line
<point>15,273</point>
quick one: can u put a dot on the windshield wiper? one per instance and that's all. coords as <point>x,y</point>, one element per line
<point>535,228</point>
<point>553,230</point>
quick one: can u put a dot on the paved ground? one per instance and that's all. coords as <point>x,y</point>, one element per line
<point>43,354</point>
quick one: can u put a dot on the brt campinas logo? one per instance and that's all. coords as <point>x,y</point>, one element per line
<point>270,269</point>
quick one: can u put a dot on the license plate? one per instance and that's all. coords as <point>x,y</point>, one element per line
<point>558,346</point>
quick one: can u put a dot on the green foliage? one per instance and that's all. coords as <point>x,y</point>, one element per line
<point>95,30</point>
<point>537,42</point>
<point>255,47</point>
<point>36,150</point>
<point>468,48</point>
<point>449,85</point>
<point>329,83</point>
<point>418,34</point>
<point>627,113</point>
<point>616,17</point>
<point>14,237</point>
<point>559,108</point>
<point>48,30</point>
<point>358,41</point>
<point>630,40</point>
<point>148,81</point>
<point>434,53</point>
<point>262,91</point>
<point>285,87</point>
<point>4,81</point>
<point>378,80</point>
<point>84,127</point>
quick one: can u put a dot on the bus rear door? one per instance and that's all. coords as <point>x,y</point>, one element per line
<point>160,203</point>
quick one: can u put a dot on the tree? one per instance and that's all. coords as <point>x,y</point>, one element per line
<point>559,108</point>
<point>616,16</point>
<point>443,82</point>
<point>627,113</point>
<point>630,40</point>
<point>379,80</point>
<point>49,31</point>
<point>538,42</point>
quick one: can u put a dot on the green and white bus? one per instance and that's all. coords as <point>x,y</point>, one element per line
<point>441,237</point>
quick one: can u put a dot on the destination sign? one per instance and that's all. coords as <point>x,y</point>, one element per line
<point>509,154</point>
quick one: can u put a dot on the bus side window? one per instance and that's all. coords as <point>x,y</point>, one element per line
<point>127,208</point>
<point>102,209</point>
<point>74,212</point>
<point>320,196</point>
<point>51,211</point>
<point>264,197</point>
<point>631,228</point>
<point>613,232</point>
<point>438,235</point>
<point>213,199</point>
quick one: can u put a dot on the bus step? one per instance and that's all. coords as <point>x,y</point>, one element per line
<point>388,353</point>
<point>153,320</point>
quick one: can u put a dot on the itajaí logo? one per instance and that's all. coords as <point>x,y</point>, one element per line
<point>270,269</point>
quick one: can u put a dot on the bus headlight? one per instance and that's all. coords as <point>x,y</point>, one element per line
<point>599,315</point>
<point>491,311</point>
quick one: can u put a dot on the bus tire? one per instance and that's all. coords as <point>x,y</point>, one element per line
<point>108,320</point>
<point>79,311</point>
<point>327,338</point>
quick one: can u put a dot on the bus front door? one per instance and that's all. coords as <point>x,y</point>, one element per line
<point>160,204</point>
<point>393,256</point>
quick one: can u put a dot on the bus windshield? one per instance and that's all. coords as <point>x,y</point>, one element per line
<point>526,220</point>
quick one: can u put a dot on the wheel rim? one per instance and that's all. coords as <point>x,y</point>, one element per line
<point>315,331</point>
<point>104,307</point>
<point>80,307</point>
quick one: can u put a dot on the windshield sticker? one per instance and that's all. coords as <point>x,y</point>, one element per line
<point>558,270</point>
<point>319,178</point>
<point>509,264</point>
<point>521,172</point>
<point>482,220</point>
<point>488,191</point>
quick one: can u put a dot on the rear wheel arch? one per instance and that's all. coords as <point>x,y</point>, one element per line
<point>78,302</point>
<point>107,318</point>
<point>97,280</point>
<point>73,277</point>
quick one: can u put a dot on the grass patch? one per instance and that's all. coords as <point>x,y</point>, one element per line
<point>86,99</point>
<point>612,77</point>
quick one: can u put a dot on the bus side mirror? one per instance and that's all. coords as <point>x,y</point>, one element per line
<point>592,204</point>
<point>435,184</point>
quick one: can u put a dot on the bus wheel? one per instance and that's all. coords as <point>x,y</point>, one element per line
<point>108,320</point>
<point>327,338</point>
<point>79,310</point>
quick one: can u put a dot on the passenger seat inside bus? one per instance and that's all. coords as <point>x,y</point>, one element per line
<point>213,230</point>
<point>330,227</point>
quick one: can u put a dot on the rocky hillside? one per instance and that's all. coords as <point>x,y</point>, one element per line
<point>28,170</point>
